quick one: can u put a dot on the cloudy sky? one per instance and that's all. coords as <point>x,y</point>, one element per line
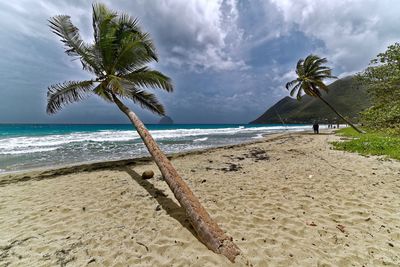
<point>229,59</point>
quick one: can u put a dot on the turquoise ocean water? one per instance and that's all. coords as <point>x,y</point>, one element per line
<point>29,146</point>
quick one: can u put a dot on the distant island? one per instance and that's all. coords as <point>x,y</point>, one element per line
<point>166,120</point>
<point>346,95</point>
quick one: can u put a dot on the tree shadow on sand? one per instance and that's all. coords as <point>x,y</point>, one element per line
<point>172,209</point>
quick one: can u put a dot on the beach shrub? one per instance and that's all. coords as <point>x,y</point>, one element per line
<point>371,143</point>
<point>382,79</point>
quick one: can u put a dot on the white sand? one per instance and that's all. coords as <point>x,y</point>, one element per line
<point>299,204</point>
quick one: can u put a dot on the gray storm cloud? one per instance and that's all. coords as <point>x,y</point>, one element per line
<point>227,58</point>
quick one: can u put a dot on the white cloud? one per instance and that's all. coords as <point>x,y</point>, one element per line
<point>29,18</point>
<point>196,35</point>
<point>353,31</point>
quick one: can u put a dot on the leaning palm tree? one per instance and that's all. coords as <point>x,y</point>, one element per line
<point>117,61</point>
<point>310,80</point>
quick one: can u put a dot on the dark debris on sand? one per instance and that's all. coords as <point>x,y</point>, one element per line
<point>256,153</point>
<point>232,167</point>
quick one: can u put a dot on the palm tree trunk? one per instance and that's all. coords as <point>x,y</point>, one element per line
<point>207,229</point>
<point>334,110</point>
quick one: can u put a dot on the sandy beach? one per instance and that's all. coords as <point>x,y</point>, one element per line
<point>288,200</point>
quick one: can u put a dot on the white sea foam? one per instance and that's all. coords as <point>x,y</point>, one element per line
<point>34,144</point>
<point>29,151</point>
<point>51,142</point>
<point>200,139</point>
<point>258,136</point>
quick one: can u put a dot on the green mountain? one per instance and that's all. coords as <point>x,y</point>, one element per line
<point>345,95</point>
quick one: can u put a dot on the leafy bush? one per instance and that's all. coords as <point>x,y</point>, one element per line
<point>383,118</point>
<point>382,78</point>
<point>371,143</point>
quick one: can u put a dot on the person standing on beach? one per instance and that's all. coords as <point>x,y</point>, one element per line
<point>316,127</point>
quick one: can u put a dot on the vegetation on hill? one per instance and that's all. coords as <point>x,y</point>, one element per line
<point>382,80</point>
<point>346,95</point>
<point>371,143</point>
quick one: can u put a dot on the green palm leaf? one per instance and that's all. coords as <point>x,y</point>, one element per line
<point>146,100</point>
<point>118,58</point>
<point>133,54</point>
<point>102,91</point>
<point>146,77</point>
<point>295,89</point>
<point>122,88</point>
<point>61,94</point>
<point>311,75</point>
<point>74,45</point>
<point>290,84</point>
<point>101,17</point>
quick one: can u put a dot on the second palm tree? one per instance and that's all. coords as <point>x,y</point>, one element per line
<point>311,74</point>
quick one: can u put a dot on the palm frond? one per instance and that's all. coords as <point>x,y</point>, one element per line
<point>74,45</point>
<point>118,86</point>
<point>102,91</point>
<point>128,25</point>
<point>132,55</point>
<point>62,26</point>
<point>121,43</point>
<point>315,90</point>
<point>59,95</point>
<point>318,84</point>
<point>309,62</point>
<point>322,77</point>
<point>118,58</point>
<point>146,100</point>
<point>148,44</point>
<point>300,68</point>
<point>149,78</point>
<point>127,89</point>
<point>306,88</point>
<point>316,65</point>
<point>322,70</point>
<point>104,28</point>
<point>298,96</point>
<point>319,61</point>
<point>311,73</point>
<point>291,83</point>
<point>135,48</point>
<point>295,88</point>
<point>100,19</point>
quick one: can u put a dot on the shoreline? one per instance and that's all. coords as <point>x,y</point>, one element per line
<point>48,152</point>
<point>55,170</point>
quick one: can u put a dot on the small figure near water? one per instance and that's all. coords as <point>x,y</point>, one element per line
<point>316,127</point>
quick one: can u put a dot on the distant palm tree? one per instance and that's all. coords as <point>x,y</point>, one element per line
<point>310,75</point>
<point>117,60</point>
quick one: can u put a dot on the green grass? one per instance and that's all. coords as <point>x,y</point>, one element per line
<point>371,143</point>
